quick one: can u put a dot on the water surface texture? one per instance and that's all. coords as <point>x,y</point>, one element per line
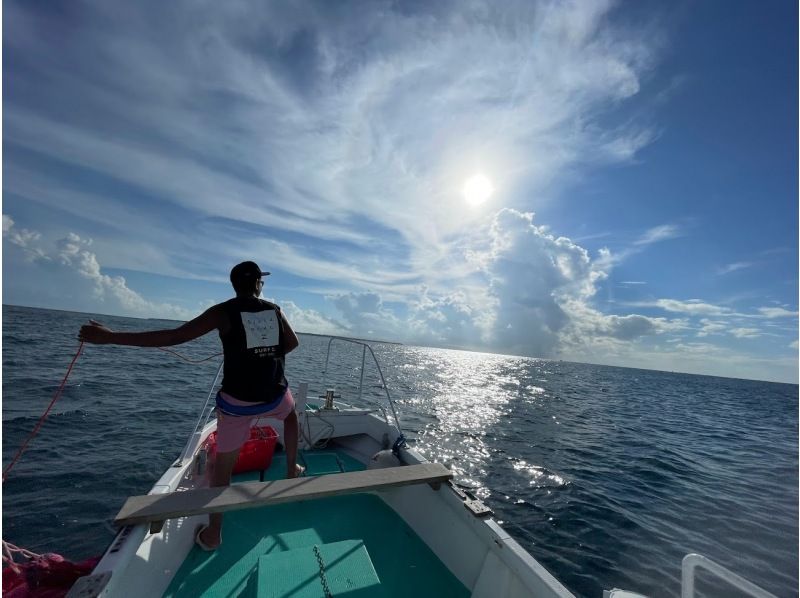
<point>607,476</point>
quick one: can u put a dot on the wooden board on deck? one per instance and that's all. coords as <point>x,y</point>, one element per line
<point>158,507</point>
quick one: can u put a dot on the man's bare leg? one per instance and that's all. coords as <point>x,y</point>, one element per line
<point>290,433</point>
<point>220,476</point>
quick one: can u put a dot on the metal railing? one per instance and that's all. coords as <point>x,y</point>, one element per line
<point>692,561</point>
<point>205,415</point>
<point>364,347</point>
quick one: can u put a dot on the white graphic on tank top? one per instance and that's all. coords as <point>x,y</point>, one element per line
<point>261,328</point>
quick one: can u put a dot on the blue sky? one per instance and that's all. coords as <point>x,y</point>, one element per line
<point>641,157</point>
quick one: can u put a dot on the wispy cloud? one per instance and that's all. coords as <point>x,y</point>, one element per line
<point>315,122</point>
<point>694,307</point>
<point>777,312</point>
<point>746,332</point>
<point>727,269</point>
<point>653,235</point>
<point>660,233</point>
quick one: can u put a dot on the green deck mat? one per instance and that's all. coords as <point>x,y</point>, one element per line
<point>403,562</point>
<point>346,569</point>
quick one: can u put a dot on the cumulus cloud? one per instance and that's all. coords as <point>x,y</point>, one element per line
<point>310,320</point>
<point>590,330</point>
<point>365,312</point>
<point>80,270</point>
<point>532,295</point>
<point>452,320</point>
<point>22,238</point>
<point>531,276</point>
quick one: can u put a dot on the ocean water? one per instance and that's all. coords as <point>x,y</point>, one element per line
<point>607,476</point>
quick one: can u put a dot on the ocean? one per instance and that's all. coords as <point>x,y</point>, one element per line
<point>607,476</point>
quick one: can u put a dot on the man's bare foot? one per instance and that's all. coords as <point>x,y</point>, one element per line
<point>299,470</point>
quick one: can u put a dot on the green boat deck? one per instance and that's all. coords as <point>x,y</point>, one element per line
<point>274,552</point>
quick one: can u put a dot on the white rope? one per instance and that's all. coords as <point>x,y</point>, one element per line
<point>10,550</point>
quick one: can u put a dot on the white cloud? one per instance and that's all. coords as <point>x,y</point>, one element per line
<point>727,269</point>
<point>659,233</point>
<point>318,122</point>
<point>663,232</point>
<point>532,298</point>
<point>335,139</point>
<point>452,320</point>
<point>23,238</point>
<point>712,327</point>
<point>76,265</point>
<point>365,312</point>
<point>745,332</point>
<point>541,286</point>
<point>697,358</point>
<point>777,312</point>
<point>309,320</point>
<point>694,307</point>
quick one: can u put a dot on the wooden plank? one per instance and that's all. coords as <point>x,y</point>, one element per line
<point>157,507</point>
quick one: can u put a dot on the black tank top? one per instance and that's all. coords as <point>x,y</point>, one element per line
<point>253,349</point>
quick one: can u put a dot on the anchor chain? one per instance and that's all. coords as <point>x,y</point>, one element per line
<point>322,577</point>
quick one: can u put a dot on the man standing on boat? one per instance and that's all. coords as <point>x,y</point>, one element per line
<point>255,338</point>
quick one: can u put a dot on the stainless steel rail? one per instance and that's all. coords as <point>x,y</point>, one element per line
<point>364,347</point>
<point>205,413</point>
<point>692,561</point>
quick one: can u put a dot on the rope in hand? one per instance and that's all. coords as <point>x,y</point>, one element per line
<point>60,390</point>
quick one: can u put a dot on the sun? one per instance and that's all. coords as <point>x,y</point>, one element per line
<point>477,189</point>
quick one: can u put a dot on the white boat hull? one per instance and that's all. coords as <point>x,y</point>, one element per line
<point>476,550</point>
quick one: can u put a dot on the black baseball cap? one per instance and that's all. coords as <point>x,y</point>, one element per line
<point>246,271</point>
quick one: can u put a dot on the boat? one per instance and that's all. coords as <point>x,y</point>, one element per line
<point>370,517</point>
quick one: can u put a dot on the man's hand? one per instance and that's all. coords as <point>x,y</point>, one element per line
<point>95,333</point>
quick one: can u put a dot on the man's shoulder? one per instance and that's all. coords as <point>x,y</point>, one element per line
<point>268,304</point>
<point>249,304</point>
<point>222,307</point>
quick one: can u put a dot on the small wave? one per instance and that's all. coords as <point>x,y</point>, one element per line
<point>53,415</point>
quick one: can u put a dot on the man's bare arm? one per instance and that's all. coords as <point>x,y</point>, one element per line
<point>97,334</point>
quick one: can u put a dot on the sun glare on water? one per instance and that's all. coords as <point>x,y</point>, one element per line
<point>477,189</point>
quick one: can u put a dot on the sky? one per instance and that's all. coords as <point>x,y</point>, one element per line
<point>594,181</point>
